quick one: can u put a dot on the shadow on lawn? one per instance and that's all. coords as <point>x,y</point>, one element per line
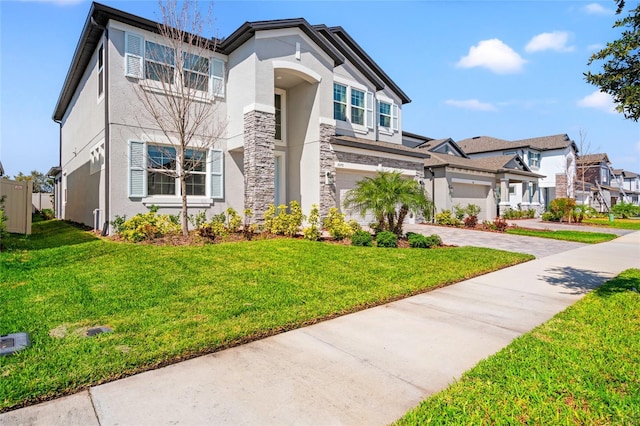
<point>49,234</point>
<point>577,281</point>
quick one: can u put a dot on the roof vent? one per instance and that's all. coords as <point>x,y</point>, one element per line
<point>476,137</point>
<point>10,343</point>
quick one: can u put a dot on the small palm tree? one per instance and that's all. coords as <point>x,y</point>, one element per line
<point>389,198</point>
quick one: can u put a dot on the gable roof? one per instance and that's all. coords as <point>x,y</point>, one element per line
<point>495,164</point>
<point>593,159</point>
<point>333,45</point>
<point>629,175</point>
<point>479,144</point>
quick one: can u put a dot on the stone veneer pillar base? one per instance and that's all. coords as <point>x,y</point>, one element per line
<point>259,163</point>
<point>328,196</point>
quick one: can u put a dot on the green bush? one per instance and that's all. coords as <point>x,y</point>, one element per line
<point>387,239</point>
<point>233,220</point>
<point>446,218</point>
<point>500,224</point>
<point>146,226</point>
<point>472,210</point>
<point>459,212</point>
<point>562,208</point>
<point>549,217</point>
<point>625,210</point>
<point>213,229</point>
<point>434,240</point>
<point>312,233</point>
<point>47,214</point>
<point>284,223</point>
<point>361,238</point>
<point>336,226</point>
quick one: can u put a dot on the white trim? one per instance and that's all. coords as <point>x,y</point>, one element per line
<point>471,182</point>
<point>341,165</point>
<point>348,82</point>
<point>307,74</point>
<point>100,69</point>
<point>259,107</point>
<point>282,178</point>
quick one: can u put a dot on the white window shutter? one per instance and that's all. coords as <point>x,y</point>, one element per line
<point>369,104</point>
<point>217,77</point>
<point>133,55</point>
<point>137,169</point>
<point>217,173</point>
<point>394,117</point>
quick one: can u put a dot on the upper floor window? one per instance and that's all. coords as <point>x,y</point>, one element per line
<point>357,106</point>
<point>534,159</point>
<point>145,59</point>
<point>159,62</point>
<point>353,105</point>
<point>388,115</point>
<point>101,71</point>
<point>604,176</point>
<point>339,102</point>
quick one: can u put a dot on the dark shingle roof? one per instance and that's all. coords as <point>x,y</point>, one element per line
<point>496,164</point>
<point>488,144</point>
<point>593,158</point>
<point>392,148</point>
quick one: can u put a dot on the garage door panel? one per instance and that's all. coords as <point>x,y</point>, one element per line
<point>345,181</point>
<point>464,194</point>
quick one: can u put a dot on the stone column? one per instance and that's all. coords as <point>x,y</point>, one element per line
<point>328,196</point>
<point>259,163</point>
<point>504,196</point>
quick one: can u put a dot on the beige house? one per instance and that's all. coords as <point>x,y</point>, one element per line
<point>307,113</point>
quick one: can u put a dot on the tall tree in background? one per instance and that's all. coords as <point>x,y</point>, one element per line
<point>41,183</point>
<point>178,95</point>
<point>620,76</point>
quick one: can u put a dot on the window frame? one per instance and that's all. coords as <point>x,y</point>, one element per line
<point>345,104</point>
<point>147,69</point>
<point>362,108</point>
<point>534,159</point>
<point>149,169</point>
<point>206,74</point>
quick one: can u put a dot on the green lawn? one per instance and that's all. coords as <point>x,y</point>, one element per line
<point>581,367</point>
<point>577,236</point>
<point>170,303</point>
<point>633,224</point>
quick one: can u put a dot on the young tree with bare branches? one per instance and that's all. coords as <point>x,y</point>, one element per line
<point>179,93</point>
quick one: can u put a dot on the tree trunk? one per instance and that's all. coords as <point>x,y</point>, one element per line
<point>404,210</point>
<point>184,215</point>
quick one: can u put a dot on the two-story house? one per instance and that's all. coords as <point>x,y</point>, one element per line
<point>453,178</point>
<point>307,113</point>
<point>630,184</point>
<point>554,157</point>
<point>600,185</point>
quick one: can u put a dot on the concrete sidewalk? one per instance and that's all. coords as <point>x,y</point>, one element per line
<point>365,368</point>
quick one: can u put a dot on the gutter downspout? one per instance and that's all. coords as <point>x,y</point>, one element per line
<point>107,133</point>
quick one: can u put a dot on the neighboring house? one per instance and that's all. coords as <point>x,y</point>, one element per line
<point>630,185</point>
<point>1,169</point>
<point>307,112</point>
<point>494,183</point>
<point>600,185</point>
<point>551,156</point>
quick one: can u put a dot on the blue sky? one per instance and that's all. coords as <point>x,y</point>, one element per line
<point>507,69</point>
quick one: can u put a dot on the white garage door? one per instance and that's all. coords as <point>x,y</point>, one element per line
<point>345,180</point>
<point>464,194</point>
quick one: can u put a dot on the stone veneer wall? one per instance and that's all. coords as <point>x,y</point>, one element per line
<point>259,163</point>
<point>561,185</point>
<point>328,159</point>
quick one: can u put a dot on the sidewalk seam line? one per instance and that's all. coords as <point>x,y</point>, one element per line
<point>93,406</point>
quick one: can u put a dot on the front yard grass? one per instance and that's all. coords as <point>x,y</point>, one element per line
<point>576,236</point>
<point>581,367</point>
<point>166,303</point>
<point>633,224</point>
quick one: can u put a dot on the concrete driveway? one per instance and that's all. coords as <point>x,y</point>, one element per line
<point>539,247</point>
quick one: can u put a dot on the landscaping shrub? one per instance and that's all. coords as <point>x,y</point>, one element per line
<point>361,238</point>
<point>446,218</point>
<point>487,224</point>
<point>519,214</point>
<point>549,217</point>
<point>470,221</point>
<point>472,210</point>
<point>312,232</point>
<point>421,241</point>
<point>562,208</point>
<point>284,223</point>
<point>434,240</point>
<point>336,226</point>
<point>47,214</point>
<point>625,210</point>
<point>233,220</point>
<point>146,226</point>
<point>387,239</point>
<point>500,224</point>
<point>198,219</point>
<point>459,212</point>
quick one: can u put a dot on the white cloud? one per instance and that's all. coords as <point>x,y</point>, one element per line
<point>598,100</point>
<point>556,40</point>
<point>595,47</point>
<point>472,104</point>
<point>56,2</point>
<point>494,55</point>
<point>597,9</point>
